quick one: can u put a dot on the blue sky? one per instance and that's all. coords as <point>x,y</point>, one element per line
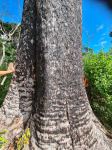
<point>97,21</point>
<point>11,10</point>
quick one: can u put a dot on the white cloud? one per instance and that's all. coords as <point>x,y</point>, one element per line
<point>100,27</point>
<point>103,43</point>
<point>104,34</point>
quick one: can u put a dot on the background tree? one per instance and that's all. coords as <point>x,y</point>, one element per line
<point>9,39</point>
<point>100,84</point>
<point>48,94</point>
<point>86,50</point>
<point>6,38</point>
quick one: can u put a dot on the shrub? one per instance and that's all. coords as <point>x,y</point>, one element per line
<point>3,140</point>
<point>98,69</point>
<point>9,57</point>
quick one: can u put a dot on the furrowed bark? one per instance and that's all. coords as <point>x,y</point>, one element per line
<point>10,108</point>
<point>62,117</point>
<point>17,105</point>
<point>49,79</point>
<point>25,63</point>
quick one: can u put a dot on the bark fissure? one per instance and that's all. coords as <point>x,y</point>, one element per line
<point>49,93</point>
<point>26,59</point>
<point>70,130</point>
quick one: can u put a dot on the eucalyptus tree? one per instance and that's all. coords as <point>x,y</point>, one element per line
<point>48,93</point>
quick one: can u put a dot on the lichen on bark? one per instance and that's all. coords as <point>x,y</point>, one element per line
<point>52,99</point>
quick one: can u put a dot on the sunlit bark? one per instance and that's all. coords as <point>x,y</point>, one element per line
<point>52,98</point>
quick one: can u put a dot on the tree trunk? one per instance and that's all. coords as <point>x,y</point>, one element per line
<point>52,98</point>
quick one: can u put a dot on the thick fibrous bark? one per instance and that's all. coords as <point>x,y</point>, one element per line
<point>10,108</point>
<point>17,106</point>
<point>49,79</point>
<point>25,62</point>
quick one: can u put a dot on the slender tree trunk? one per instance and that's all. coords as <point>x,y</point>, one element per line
<point>49,79</point>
